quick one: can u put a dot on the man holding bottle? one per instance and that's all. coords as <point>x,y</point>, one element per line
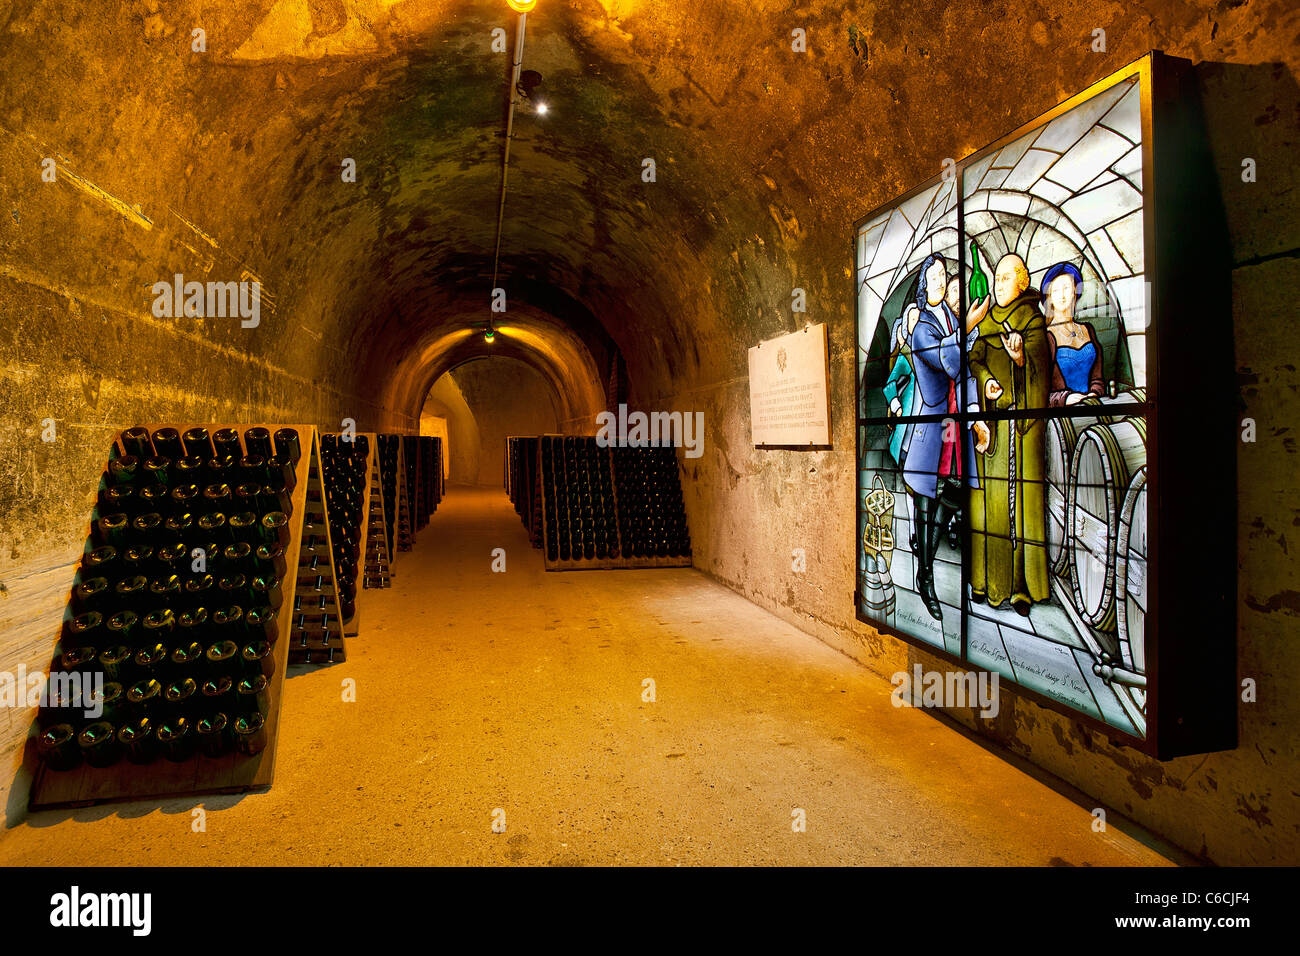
<point>940,457</point>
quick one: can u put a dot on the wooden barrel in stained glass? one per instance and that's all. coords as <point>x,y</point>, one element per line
<point>1106,456</point>
<point>1131,574</point>
<point>1062,435</point>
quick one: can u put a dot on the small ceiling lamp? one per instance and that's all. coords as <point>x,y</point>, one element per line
<point>521,6</point>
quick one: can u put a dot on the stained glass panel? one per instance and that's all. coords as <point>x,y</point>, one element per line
<point>1001,390</point>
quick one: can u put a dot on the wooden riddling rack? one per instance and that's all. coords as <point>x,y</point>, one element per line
<point>378,553</point>
<point>410,476</point>
<point>396,508</point>
<point>422,455</point>
<point>523,479</point>
<point>512,443</point>
<point>413,457</point>
<point>316,636</point>
<point>233,772</point>
<point>352,625</point>
<point>614,459</point>
<point>431,465</point>
<point>397,494</point>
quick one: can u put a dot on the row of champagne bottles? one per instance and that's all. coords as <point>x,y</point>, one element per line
<point>584,518</point>
<point>159,699</point>
<point>343,470</point>
<point>182,566</point>
<point>651,510</point>
<point>389,451</point>
<point>168,643</point>
<point>144,739</point>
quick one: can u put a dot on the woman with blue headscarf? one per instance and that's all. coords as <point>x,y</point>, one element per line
<point>1075,350</point>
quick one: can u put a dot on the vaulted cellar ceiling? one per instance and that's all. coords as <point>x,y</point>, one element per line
<point>224,161</point>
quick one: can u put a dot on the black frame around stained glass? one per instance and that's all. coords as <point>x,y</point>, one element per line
<point>1189,694</point>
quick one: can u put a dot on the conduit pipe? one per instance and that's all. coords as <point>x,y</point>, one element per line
<point>512,93</point>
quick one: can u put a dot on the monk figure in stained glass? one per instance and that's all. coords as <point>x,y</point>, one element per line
<point>1010,361</point>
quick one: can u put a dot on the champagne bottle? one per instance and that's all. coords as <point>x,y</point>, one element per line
<point>219,691</point>
<point>115,661</point>
<point>198,443</point>
<point>158,469</point>
<point>226,443</point>
<point>258,442</point>
<point>175,739</point>
<point>111,700</point>
<point>142,695</point>
<point>979,282</point>
<point>86,629</point>
<point>99,744</point>
<point>221,659</point>
<point>256,658</point>
<point>193,624</point>
<point>214,737</point>
<point>177,696</point>
<point>287,445</point>
<point>250,733</point>
<point>167,442</point>
<point>274,528</point>
<point>100,562</point>
<point>137,738</point>
<point>186,659</point>
<point>92,594</point>
<point>58,747</point>
<point>252,695</point>
<point>135,441</point>
<point>122,470</point>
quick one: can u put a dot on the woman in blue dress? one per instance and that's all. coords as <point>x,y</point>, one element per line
<point>1075,348</point>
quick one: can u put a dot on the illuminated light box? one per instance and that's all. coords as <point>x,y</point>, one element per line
<point>1046,437</point>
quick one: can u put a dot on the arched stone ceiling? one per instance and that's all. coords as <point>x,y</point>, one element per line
<point>764,157</point>
<point>547,345</point>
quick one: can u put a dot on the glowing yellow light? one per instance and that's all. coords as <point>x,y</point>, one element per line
<point>489,334</point>
<point>521,6</point>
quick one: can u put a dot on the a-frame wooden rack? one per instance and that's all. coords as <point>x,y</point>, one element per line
<point>397,490</point>
<point>233,772</point>
<point>316,635</point>
<point>378,555</point>
<point>370,495</point>
<point>606,458</point>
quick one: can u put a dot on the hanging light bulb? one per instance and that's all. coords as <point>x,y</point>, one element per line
<point>489,334</point>
<point>521,6</point>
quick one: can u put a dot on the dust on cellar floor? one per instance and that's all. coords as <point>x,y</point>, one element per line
<point>523,691</point>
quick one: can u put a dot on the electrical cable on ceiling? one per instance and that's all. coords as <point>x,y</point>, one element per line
<point>510,126</point>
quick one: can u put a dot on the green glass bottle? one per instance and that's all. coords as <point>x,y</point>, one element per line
<point>979,282</point>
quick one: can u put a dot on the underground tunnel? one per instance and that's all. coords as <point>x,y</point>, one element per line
<point>982,537</point>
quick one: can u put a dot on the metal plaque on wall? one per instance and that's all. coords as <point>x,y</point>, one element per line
<point>789,398</point>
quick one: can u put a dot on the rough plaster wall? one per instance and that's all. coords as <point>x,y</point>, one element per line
<point>749,508</point>
<point>507,398</point>
<point>446,401</point>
